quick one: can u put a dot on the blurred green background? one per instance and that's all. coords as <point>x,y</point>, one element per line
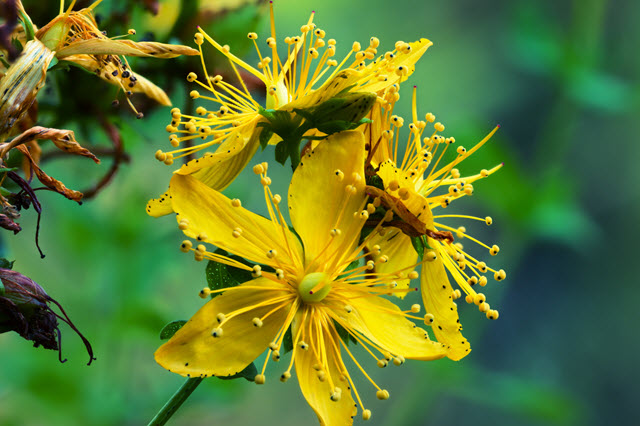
<point>561,77</point>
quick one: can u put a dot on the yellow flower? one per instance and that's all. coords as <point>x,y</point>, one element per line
<point>414,186</point>
<point>306,77</point>
<point>309,288</point>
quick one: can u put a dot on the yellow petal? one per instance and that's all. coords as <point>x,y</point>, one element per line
<point>319,201</point>
<point>210,213</point>
<point>194,351</point>
<point>398,248</point>
<point>383,323</point>
<point>317,393</point>
<point>438,300</point>
<point>219,169</point>
<point>161,206</point>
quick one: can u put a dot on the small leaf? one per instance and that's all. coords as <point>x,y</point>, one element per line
<point>250,372</point>
<point>6,264</point>
<point>281,153</point>
<point>170,329</point>
<point>265,135</point>
<point>221,276</point>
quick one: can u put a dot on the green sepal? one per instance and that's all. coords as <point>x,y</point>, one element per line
<point>27,24</point>
<point>344,334</point>
<point>53,63</point>
<point>249,373</point>
<point>420,245</point>
<point>221,276</point>
<point>8,169</point>
<point>265,135</point>
<point>170,329</point>
<point>6,264</point>
<point>287,342</point>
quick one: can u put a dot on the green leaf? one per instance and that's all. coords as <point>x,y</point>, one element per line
<point>6,264</point>
<point>170,329</point>
<point>27,24</point>
<point>281,153</point>
<point>265,136</point>
<point>8,169</point>
<point>250,372</point>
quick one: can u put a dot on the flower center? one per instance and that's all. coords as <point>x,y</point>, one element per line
<point>314,287</point>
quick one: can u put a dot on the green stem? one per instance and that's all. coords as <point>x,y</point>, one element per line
<point>175,402</point>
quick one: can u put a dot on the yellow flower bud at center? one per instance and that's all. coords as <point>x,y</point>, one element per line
<point>314,287</point>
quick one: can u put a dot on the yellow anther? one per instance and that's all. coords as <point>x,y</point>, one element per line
<point>226,48</point>
<point>170,129</point>
<point>484,307</point>
<point>272,254</point>
<point>364,215</point>
<point>335,396</point>
<point>366,414</point>
<point>236,202</point>
<point>488,220</point>
<point>258,169</point>
<point>257,271</point>
<point>201,248</point>
<point>252,36</point>
<point>493,314</point>
<point>383,259</point>
<point>280,274</point>
<point>404,193</point>
<point>221,317</point>
<point>479,298</point>
<point>382,363</point>
<point>472,281</point>
<point>377,201</point>
<point>428,319</point>
<point>412,275</point>
<point>450,141</point>
<point>319,33</point>
<point>456,294</point>
<point>394,185</point>
<point>271,42</point>
<point>191,77</point>
<point>415,308</point>
<point>461,150</point>
<point>201,237</point>
<point>469,299</point>
<point>186,246</point>
<point>237,232</point>
<point>402,70</point>
<point>259,379</point>
<point>399,360</point>
<point>356,46</point>
<point>305,28</point>
<point>313,53</point>
<point>199,39</point>
<point>439,127</point>
<point>332,63</point>
<point>160,156</point>
<point>430,256</point>
<point>500,275</point>
<point>304,346</point>
<point>348,308</point>
<point>482,267</point>
<point>285,376</point>
<point>397,121</point>
<point>275,356</point>
<point>217,332</point>
<point>257,322</point>
<point>371,208</point>
<point>335,232</point>
<point>494,250</point>
<point>204,292</point>
<point>484,172</point>
<point>322,376</point>
<point>455,173</point>
<point>482,281</point>
<point>265,181</point>
<point>194,94</point>
<point>382,394</point>
<point>375,250</point>
<point>174,142</point>
<point>276,199</point>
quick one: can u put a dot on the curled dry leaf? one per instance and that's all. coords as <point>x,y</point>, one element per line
<point>47,180</point>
